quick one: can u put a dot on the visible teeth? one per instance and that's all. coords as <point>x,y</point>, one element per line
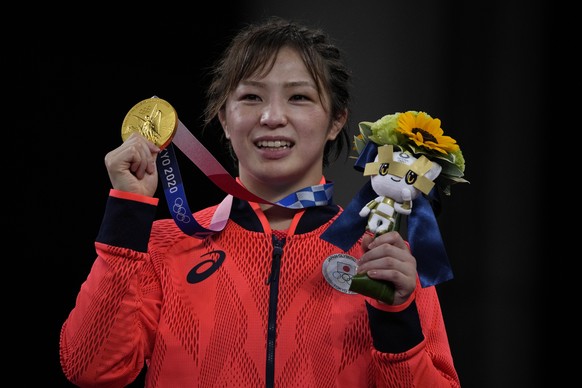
<point>273,144</point>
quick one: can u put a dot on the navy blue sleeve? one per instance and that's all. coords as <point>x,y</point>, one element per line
<point>395,332</point>
<point>127,224</point>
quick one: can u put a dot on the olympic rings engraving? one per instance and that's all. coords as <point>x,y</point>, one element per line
<point>342,277</point>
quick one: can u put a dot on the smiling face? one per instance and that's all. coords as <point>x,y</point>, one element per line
<point>410,176</point>
<point>278,127</point>
<point>393,186</point>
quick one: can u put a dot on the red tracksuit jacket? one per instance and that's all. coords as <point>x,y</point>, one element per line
<point>241,308</point>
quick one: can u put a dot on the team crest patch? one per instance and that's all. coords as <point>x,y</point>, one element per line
<point>338,270</point>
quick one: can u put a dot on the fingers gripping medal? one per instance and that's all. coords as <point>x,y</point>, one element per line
<point>154,118</point>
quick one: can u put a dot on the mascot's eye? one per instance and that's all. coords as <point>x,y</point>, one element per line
<point>410,177</point>
<point>383,169</point>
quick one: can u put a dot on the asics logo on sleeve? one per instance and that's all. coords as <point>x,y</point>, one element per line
<point>207,267</point>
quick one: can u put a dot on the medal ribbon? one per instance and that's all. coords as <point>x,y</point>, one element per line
<point>171,180</point>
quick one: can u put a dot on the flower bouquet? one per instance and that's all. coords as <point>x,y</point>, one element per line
<point>407,155</point>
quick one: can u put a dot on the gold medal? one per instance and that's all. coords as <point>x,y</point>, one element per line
<point>154,118</point>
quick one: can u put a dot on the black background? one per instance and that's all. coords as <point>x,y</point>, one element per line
<point>480,67</point>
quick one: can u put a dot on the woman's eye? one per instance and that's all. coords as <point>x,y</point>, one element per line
<point>251,97</point>
<point>299,97</point>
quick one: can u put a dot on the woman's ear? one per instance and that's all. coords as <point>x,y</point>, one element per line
<point>337,124</point>
<point>222,119</point>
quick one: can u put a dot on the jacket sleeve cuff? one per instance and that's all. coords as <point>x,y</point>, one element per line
<point>127,221</point>
<point>395,331</point>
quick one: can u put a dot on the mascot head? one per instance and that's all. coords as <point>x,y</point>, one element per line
<point>395,172</point>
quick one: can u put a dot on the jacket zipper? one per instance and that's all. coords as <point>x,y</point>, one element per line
<point>273,282</point>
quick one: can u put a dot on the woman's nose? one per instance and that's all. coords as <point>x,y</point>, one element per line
<point>274,115</point>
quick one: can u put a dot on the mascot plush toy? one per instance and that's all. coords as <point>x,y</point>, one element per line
<point>398,178</point>
<point>411,163</point>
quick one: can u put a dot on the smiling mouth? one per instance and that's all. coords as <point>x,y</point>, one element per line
<point>276,144</point>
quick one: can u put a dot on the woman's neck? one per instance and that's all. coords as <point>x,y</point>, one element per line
<point>275,191</point>
<point>279,217</point>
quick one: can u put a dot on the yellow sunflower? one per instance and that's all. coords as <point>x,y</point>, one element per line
<point>426,132</point>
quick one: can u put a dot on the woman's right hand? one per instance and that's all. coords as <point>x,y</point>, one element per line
<point>132,166</point>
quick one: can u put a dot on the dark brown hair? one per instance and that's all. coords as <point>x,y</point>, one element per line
<point>253,51</point>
